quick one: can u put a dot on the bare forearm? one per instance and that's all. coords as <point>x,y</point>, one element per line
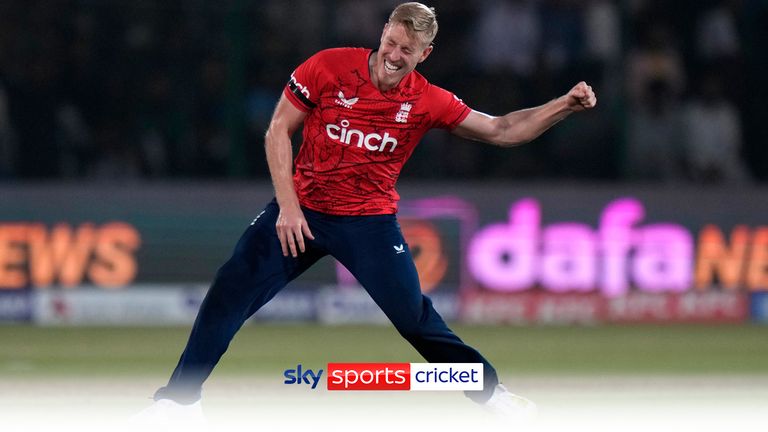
<point>280,162</point>
<point>520,127</point>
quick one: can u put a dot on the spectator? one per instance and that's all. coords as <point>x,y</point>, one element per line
<point>7,139</point>
<point>717,33</point>
<point>712,136</point>
<point>655,59</point>
<point>602,32</point>
<point>563,38</point>
<point>602,49</point>
<point>507,37</point>
<point>181,84</point>
<point>73,138</point>
<point>653,135</point>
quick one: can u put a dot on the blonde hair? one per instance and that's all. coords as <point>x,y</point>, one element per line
<point>418,19</point>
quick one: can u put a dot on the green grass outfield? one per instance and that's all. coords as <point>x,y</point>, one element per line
<point>29,352</point>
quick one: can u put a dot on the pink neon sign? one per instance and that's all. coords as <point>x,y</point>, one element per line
<point>574,257</point>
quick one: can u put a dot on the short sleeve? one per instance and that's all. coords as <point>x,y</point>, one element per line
<point>303,87</point>
<point>447,109</point>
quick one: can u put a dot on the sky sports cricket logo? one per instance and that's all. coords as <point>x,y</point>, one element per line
<point>391,376</point>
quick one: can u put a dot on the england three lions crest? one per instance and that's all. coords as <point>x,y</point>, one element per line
<point>402,115</point>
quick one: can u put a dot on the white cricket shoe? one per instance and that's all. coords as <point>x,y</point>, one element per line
<point>169,412</point>
<point>509,405</point>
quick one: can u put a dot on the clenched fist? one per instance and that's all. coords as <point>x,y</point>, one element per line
<point>581,97</point>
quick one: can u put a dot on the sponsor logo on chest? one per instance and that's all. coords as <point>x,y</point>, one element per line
<point>344,133</point>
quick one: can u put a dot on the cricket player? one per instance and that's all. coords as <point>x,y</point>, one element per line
<point>363,112</point>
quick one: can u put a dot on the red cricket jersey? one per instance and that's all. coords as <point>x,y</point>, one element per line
<point>356,139</point>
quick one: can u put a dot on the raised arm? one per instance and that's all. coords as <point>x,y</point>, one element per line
<point>291,225</point>
<point>520,127</point>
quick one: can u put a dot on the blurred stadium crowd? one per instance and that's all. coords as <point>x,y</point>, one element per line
<point>146,89</point>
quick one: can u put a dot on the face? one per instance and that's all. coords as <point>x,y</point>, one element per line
<point>398,55</point>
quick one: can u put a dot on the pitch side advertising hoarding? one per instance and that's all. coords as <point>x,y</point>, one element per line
<point>495,253</point>
<point>15,306</point>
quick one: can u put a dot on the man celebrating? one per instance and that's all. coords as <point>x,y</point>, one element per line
<point>363,113</point>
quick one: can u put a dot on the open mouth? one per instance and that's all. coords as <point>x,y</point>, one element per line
<point>390,68</point>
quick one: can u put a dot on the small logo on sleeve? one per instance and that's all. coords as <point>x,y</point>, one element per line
<point>399,249</point>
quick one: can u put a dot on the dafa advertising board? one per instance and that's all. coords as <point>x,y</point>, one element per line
<point>498,253</point>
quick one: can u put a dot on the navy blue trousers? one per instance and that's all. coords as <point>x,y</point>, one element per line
<point>257,271</point>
